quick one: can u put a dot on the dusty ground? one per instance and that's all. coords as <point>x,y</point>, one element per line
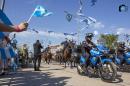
<point>56,75</point>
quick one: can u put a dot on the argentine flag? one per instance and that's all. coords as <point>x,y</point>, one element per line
<point>40,11</point>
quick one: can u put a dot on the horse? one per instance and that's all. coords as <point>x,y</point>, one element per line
<point>75,56</point>
<point>47,56</point>
<point>59,57</point>
<point>67,53</point>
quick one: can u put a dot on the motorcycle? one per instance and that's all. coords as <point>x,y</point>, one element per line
<point>122,61</point>
<point>99,64</point>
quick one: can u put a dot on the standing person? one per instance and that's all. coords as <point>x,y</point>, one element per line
<point>37,55</point>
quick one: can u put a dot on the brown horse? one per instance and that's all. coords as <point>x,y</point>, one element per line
<point>47,56</point>
<point>67,53</point>
<point>59,57</point>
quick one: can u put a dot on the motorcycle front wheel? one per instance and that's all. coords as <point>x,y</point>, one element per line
<point>108,71</point>
<point>80,69</point>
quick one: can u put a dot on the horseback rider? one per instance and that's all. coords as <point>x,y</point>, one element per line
<point>87,45</point>
<point>65,44</point>
<point>48,48</point>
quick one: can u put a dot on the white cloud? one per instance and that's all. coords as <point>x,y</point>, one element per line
<point>96,32</point>
<point>97,25</point>
<point>122,31</point>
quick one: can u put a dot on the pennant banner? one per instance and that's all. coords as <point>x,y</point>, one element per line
<point>66,34</point>
<point>69,17</point>
<point>50,31</point>
<point>73,34</point>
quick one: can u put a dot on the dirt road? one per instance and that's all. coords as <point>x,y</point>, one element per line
<point>56,75</point>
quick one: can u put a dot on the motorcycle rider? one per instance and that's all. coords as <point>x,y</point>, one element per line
<point>121,50</point>
<point>87,45</point>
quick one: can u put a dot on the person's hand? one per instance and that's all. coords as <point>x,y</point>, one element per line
<point>23,26</point>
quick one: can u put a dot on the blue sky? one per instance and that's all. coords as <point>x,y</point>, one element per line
<point>109,19</point>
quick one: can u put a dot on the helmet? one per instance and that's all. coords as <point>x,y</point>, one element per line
<point>89,35</point>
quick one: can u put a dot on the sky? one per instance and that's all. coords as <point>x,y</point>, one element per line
<point>105,12</point>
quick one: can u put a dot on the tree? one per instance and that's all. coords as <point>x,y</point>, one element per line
<point>110,39</point>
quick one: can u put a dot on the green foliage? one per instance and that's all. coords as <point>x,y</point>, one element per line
<point>109,39</point>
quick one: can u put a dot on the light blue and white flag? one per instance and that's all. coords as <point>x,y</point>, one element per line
<point>48,14</point>
<point>40,11</point>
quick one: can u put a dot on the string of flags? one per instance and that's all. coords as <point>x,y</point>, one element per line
<point>50,32</point>
<point>80,17</point>
<point>65,34</point>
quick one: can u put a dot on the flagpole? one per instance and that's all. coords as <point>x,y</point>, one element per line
<point>30,18</point>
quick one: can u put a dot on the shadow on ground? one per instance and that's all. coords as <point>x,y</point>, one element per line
<point>30,78</point>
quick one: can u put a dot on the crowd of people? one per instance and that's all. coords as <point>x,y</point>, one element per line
<point>7,52</point>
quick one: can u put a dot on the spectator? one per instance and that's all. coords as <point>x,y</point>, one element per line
<point>37,55</point>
